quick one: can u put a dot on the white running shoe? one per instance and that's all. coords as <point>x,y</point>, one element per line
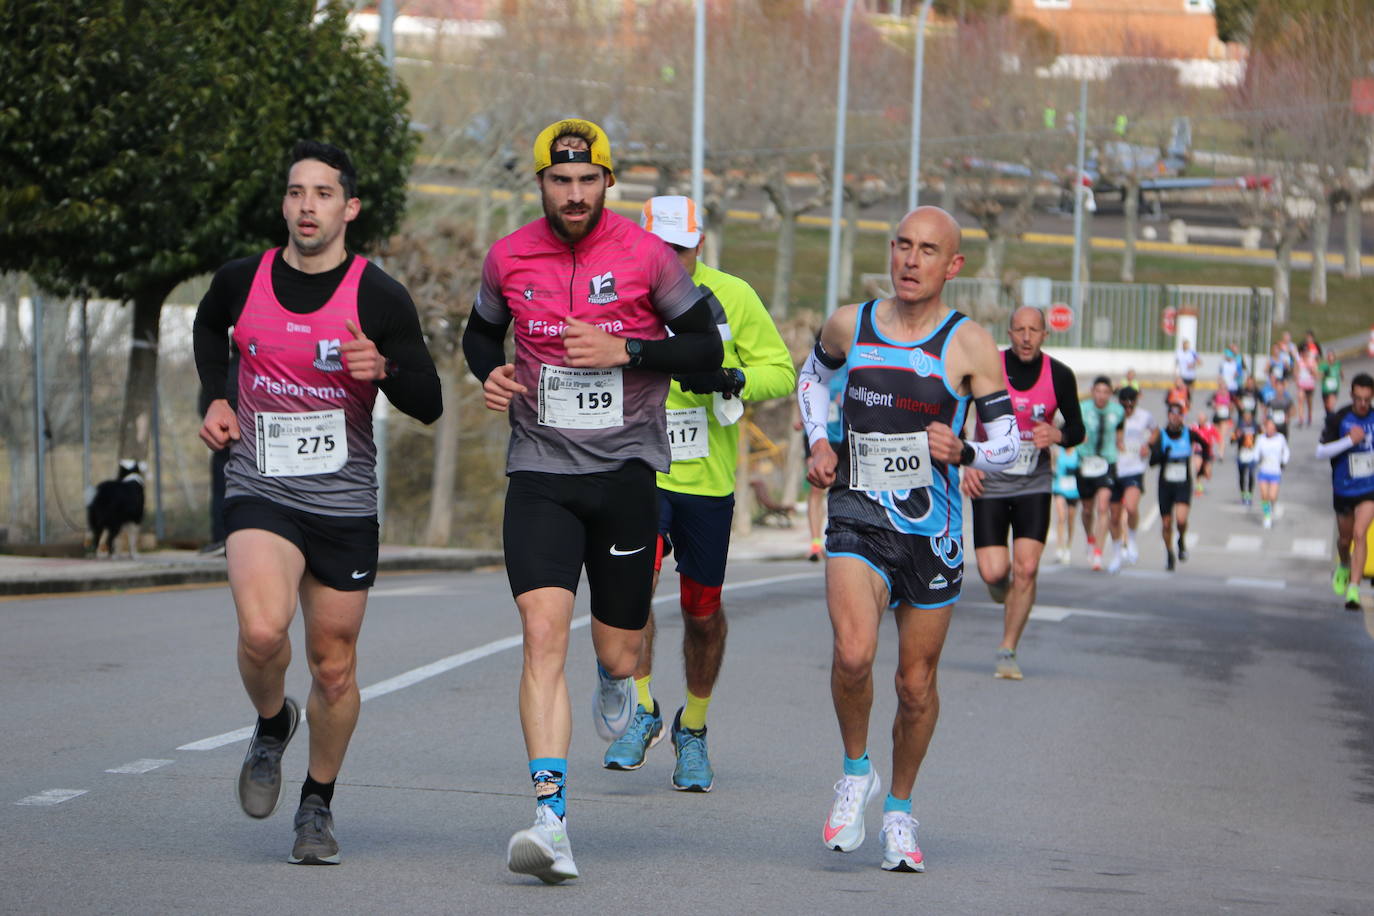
<point>1268,522</point>
<point>544,849</point>
<point>1065,556</point>
<point>844,827</point>
<point>900,852</point>
<point>613,705</point>
<point>1132,553</point>
<point>1114,566</point>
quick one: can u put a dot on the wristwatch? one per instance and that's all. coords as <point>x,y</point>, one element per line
<point>635,348</point>
<point>737,382</point>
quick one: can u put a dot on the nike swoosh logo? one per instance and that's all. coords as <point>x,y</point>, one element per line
<point>617,552</point>
<point>359,575</point>
<point>831,832</point>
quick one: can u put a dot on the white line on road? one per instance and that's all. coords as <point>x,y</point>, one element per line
<point>51,797</point>
<point>424,672</point>
<point>1251,582</point>
<point>1311,547</point>
<point>1243,543</point>
<point>1147,521</point>
<point>1056,614</point>
<point>145,765</point>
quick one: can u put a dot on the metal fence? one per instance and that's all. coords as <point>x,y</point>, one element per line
<point>1130,316</point>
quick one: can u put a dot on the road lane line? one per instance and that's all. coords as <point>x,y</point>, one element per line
<point>1243,543</point>
<point>1311,547</point>
<point>1147,521</point>
<point>424,672</point>
<point>1252,582</point>
<point>145,765</point>
<point>51,797</point>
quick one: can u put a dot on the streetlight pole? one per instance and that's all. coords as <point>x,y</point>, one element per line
<point>699,105</point>
<point>1077,286</point>
<point>832,278</point>
<point>912,194</point>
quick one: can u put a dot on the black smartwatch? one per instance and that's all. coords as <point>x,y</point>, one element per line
<point>967,455</point>
<point>737,379</point>
<point>635,348</point>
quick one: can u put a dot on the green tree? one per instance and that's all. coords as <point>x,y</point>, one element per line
<point>142,144</point>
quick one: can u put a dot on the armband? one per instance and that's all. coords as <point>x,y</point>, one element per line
<point>998,451</point>
<point>813,391</point>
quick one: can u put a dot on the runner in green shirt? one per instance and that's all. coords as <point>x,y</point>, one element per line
<point>1102,420</point>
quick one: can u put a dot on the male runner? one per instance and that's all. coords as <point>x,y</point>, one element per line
<point>1279,406</point>
<point>1173,452</point>
<point>696,498</point>
<point>1138,432</point>
<point>896,516</point>
<point>1018,499</point>
<point>317,332</point>
<point>591,296</point>
<point>1102,443</point>
<point>1348,442</point>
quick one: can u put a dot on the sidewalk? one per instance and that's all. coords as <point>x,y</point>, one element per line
<point>20,575</point>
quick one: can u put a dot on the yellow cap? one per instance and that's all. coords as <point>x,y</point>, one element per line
<point>600,152</point>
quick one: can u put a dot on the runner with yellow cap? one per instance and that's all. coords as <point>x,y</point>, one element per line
<point>592,297</point>
<point>697,496</point>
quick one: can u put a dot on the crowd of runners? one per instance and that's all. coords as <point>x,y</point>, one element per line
<point>631,362</point>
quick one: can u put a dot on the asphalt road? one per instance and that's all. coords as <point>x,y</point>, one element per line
<point>1201,742</point>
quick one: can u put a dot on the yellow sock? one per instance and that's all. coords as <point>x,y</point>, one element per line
<point>646,699</point>
<point>694,713</point>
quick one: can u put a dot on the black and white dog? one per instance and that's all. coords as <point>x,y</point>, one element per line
<point>117,505</point>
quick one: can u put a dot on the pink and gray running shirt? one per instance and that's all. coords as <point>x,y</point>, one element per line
<point>622,279</point>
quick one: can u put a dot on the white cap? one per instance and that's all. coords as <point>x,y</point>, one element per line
<point>673,219</point>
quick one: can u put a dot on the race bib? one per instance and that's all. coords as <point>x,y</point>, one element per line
<point>580,398</point>
<point>885,462</point>
<point>301,444</point>
<point>1176,472</point>
<point>1278,416</point>
<point>1247,402</point>
<point>1223,413</point>
<point>1027,456</point>
<point>1248,455</point>
<point>1361,464</point>
<point>687,433</point>
<point>1092,466</point>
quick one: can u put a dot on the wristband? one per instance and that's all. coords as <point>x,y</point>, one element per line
<point>967,455</point>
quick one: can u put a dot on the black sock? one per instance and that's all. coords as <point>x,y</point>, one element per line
<point>325,790</point>
<point>278,727</point>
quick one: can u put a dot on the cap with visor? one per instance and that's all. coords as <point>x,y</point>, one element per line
<point>599,154</point>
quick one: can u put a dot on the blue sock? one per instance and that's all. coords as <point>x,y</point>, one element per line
<point>857,767</point>
<point>549,775</point>
<point>897,804</point>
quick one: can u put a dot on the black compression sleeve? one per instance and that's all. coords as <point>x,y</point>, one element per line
<point>1066,396</point>
<point>694,347</point>
<point>218,310</point>
<point>387,316</point>
<point>484,345</point>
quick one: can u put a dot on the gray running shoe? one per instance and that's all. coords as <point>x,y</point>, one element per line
<point>1006,665</point>
<point>998,590</point>
<point>613,705</point>
<point>543,850</point>
<point>259,785</point>
<point>315,843</point>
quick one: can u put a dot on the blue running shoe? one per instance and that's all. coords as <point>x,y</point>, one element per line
<point>627,752</point>
<point>693,772</point>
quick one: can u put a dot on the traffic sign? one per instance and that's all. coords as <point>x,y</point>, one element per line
<point>1060,317</point>
<point>1169,320</point>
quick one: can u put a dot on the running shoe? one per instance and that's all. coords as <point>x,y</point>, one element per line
<point>613,705</point>
<point>627,752</point>
<point>1132,553</point>
<point>815,553</point>
<point>844,827</point>
<point>1268,521</point>
<point>900,852</point>
<point>693,772</point>
<point>1006,665</point>
<point>315,843</point>
<point>1182,551</point>
<point>1097,560</point>
<point>1352,597</point>
<point>1340,580</point>
<point>259,785</point>
<point>1169,561</point>
<point>543,850</point>
<point>998,589</point>
<point>1065,556</point>
<point>1114,566</point>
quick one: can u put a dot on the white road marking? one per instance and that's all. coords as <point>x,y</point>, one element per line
<point>1147,521</point>
<point>406,591</point>
<point>51,797</point>
<point>1252,582</point>
<point>424,672</point>
<point>1191,540</point>
<point>1056,614</point>
<point>1243,543</point>
<point>1311,547</point>
<point>145,765</point>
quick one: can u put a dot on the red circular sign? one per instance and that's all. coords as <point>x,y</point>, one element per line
<point>1060,317</point>
<point>1169,320</point>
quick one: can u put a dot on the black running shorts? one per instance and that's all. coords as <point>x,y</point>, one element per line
<point>339,551</point>
<point>1172,494</point>
<point>697,529</point>
<point>556,524</point>
<point>1345,505</point>
<point>919,570</point>
<point>1088,486</point>
<point>1025,516</point>
<point>1121,484</point>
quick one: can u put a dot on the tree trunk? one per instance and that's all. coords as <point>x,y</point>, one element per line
<point>948,197</point>
<point>848,232</point>
<point>15,408</point>
<point>135,425</point>
<point>482,232</point>
<point>1130,206</point>
<point>995,256</point>
<point>515,211</point>
<point>443,481</point>
<point>1354,227</point>
<point>1086,255</point>
<point>1283,269</point>
<point>1321,234</point>
<point>782,268</point>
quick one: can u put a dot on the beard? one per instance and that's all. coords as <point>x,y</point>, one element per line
<point>577,231</point>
